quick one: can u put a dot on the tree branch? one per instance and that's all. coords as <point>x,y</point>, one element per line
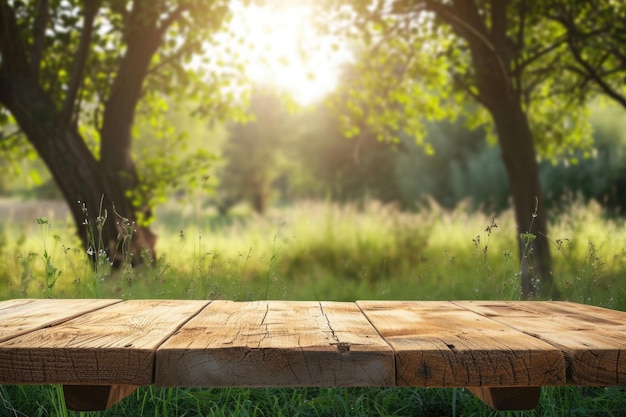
<point>80,60</point>
<point>465,87</point>
<point>470,23</point>
<point>593,74</point>
<point>471,27</point>
<point>539,75</point>
<point>169,20</point>
<point>499,22</point>
<point>619,54</point>
<point>522,65</point>
<point>143,39</point>
<point>519,45</point>
<point>39,36</point>
<point>12,49</point>
<point>173,57</point>
<point>591,71</point>
<point>466,20</point>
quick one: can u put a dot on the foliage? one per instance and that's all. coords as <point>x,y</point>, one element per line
<point>315,161</point>
<point>75,74</point>
<point>467,167</point>
<point>189,28</point>
<point>316,401</point>
<point>596,35</point>
<point>412,67</point>
<point>427,57</point>
<point>177,154</point>
<point>344,170</point>
<point>252,153</point>
<point>283,155</point>
<point>448,174</point>
<point>374,251</point>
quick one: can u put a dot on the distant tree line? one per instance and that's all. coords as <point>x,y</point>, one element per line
<point>282,156</point>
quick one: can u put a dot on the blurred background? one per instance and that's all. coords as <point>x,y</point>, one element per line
<point>308,150</point>
<point>287,157</point>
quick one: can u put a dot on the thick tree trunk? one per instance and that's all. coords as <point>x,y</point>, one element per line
<point>119,112</point>
<point>89,191</point>
<point>497,93</point>
<point>493,56</point>
<point>520,161</point>
<point>96,191</point>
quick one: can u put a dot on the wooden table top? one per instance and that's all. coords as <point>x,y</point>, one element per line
<point>311,343</point>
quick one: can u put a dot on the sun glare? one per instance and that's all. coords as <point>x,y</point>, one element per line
<point>282,49</point>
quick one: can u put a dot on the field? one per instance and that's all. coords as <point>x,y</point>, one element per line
<point>317,250</point>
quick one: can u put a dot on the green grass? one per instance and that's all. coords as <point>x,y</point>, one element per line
<point>317,250</point>
<point>151,401</point>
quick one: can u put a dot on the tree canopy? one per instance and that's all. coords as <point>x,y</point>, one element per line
<point>596,37</point>
<point>74,75</point>
<point>413,67</point>
<point>425,59</point>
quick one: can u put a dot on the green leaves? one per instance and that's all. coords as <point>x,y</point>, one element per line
<point>527,238</point>
<point>174,152</point>
<point>594,33</point>
<point>394,87</point>
<point>413,67</point>
<point>188,29</point>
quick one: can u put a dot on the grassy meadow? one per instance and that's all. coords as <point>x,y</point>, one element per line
<point>319,250</point>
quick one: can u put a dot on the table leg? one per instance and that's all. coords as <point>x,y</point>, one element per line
<point>508,398</point>
<point>95,397</point>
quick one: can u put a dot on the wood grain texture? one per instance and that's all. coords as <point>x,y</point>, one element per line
<point>21,316</point>
<point>503,350</point>
<point>592,339</point>
<point>439,344</point>
<point>113,345</point>
<point>273,343</point>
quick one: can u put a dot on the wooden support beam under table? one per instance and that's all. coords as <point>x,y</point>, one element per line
<point>507,398</point>
<point>95,397</point>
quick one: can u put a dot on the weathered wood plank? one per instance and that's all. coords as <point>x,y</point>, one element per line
<point>581,316</point>
<point>115,345</point>
<point>102,349</point>
<point>591,338</point>
<point>21,316</point>
<point>439,344</point>
<point>273,343</point>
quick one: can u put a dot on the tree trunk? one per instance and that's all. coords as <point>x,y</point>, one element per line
<point>498,95</point>
<point>518,154</point>
<point>493,56</point>
<point>119,112</point>
<point>96,191</point>
<point>89,191</point>
<point>520,160</point>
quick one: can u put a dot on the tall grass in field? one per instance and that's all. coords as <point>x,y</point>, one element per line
<point>321,250</point>
<point>315,250</point>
